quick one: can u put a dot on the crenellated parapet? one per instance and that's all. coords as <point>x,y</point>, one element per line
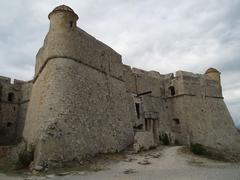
<point>10,92</point>
<point>170,85</point>
<point>139,81</point>
<point>188,83</point>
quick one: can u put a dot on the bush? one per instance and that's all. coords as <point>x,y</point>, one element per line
<point>176,142</point>
<point>198,149</point>
<point>24,159</point>
<point>165,139</point>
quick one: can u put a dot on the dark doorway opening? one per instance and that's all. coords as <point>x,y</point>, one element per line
<point>71,24</point>
<point>172,90</point>
<point>137,106</point>
<point>176,121</point>
<point>9,124</point>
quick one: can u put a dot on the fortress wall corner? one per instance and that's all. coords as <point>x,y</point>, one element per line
<point>78,106</point>
<point>206,120</point>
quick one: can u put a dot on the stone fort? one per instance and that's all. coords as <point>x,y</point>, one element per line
<point>83,101</point>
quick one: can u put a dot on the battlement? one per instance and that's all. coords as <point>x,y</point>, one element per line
<point>14,90</point>
<point>8,80</point>
<point>196,84</point>
<point>5,79</point>
<point>14,95</point>
<point>177,75</point>
<point>170,85</point>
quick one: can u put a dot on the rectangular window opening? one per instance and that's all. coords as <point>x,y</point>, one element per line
<point>176,121</point>
<point>137,106</point>
<point>172,90</point>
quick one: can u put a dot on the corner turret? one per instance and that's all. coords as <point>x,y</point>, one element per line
<point>63,19</point>
<point>214,74</point>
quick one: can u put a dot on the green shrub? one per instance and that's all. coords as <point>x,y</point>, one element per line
<point>24,159</point>
<point>176,142</point>
<point>165,139</point>
<point>198,149</point>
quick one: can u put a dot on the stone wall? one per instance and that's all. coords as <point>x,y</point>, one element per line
<point>78,105</point>
<point>81,109</point>
<point>143,141</point>
<point>10,110</point>
<point>206,121</point>
<point>201,113</point>
<point>190,107</point>
<point>23,107</point>
<point>83,101</point>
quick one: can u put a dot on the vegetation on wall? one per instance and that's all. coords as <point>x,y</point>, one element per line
<point>198,149</point>
<point>211,153</point>
<point>24,159</point>
<point>164,139</point>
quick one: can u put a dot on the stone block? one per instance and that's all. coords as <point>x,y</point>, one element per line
<point>143,141</point>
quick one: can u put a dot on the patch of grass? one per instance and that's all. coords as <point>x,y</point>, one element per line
<point>176,142</point>
<point>217,156</point>
<point>7,165</point>
<point>198,149</point>
<point>165,139</point>
<point>9,168</point>
<point>209,153</point>
<point>24,159</point>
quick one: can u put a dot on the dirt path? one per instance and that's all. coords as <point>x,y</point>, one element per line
<point>167,164</point>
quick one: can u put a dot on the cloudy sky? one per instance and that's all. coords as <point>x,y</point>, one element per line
<point>154,35</point>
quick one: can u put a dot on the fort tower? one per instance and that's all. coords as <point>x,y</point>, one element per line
<point>83,100</point>
<point>63,18</point>
<point>214,74</point>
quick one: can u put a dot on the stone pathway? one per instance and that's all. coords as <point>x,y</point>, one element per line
<point>167,164</point>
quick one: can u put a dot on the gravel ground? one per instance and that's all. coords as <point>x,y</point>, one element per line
<point>167,164</point>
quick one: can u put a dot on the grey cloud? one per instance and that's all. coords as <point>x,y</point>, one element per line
<point>231,64</point>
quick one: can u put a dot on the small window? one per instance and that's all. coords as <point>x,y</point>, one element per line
<point>9,124</point>
<point>137,106</point>
<point>10,97</point>
<point>172,90</point>
<point>71,24</point>
<point>176,121</point>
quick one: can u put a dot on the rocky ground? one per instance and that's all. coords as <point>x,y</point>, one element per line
<point>167,163</point>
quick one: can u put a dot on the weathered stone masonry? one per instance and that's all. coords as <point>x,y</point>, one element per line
<point>79,93</point>
<point>14,99</point>
<point>83,101</point>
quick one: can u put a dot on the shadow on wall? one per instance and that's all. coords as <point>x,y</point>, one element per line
<point>167,138</point>
<point>238,129</point>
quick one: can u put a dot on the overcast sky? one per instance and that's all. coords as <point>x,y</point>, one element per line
<point>162,35</point>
